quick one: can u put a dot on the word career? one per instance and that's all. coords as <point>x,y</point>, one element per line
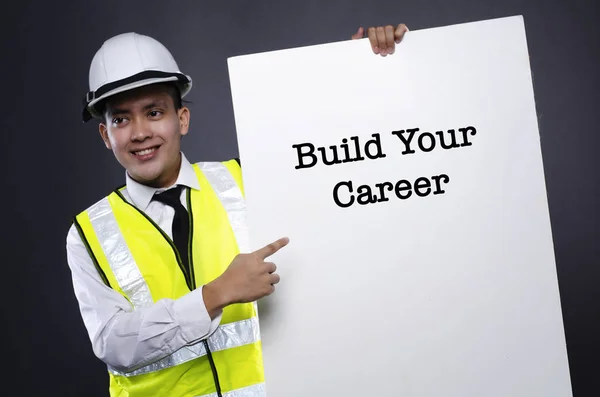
<point>412,141</point>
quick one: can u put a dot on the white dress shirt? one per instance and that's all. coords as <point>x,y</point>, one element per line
<point>121,337</point>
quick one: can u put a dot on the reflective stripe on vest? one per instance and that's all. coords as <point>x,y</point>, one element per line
<point>226,336</point>
<point>118,255</point>
<point>236,342</point>
<point>232,200</point>
<point>252,391</point>
<point>231,197</point>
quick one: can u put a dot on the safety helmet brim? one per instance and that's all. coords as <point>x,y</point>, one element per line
<point>141,79</point>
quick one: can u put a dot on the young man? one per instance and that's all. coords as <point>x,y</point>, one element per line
<point>165,294</point>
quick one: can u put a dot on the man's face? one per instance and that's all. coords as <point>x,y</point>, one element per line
<point>144,130</point>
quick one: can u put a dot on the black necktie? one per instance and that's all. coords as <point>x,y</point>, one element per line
<point>181,225</point>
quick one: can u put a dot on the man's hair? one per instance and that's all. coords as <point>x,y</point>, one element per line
<point>172,90</point>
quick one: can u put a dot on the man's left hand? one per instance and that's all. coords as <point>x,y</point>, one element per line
<point>383,38</point>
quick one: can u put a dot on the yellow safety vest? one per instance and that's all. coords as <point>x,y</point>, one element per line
<point>136,258</point>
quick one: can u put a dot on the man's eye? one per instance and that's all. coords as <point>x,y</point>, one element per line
<point>154,113</point>
<point>118,120</point>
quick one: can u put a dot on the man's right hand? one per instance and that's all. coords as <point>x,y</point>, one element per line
<point>248,278</point>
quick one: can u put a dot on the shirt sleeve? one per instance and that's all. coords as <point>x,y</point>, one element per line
<point>125,339</point>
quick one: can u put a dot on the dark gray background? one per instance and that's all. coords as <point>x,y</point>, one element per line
<point>54,166</point>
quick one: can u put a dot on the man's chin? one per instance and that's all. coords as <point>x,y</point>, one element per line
<point>146,178</point>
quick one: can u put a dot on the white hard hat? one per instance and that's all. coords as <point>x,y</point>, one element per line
<point>129,61</point>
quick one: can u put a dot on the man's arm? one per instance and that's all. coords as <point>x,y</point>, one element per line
<point>126,339</point>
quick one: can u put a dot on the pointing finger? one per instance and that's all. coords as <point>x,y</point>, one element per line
<point>272,248</point>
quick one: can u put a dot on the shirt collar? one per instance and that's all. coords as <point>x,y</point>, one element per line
<point>141,195</point>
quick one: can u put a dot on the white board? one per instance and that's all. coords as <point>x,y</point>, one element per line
<point>448,294</point>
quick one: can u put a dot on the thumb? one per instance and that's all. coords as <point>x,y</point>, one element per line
<point>399,32</point>
<point>359,33</point>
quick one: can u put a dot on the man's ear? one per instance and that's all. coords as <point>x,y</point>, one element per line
<point>104,134</point>
<point>184,120</point>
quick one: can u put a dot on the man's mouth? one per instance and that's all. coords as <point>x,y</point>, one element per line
<point>145,152</point>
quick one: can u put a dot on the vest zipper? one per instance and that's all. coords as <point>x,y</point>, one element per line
<point>211,361</point>
<point>213,368</point>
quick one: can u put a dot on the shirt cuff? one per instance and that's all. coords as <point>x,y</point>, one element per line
<point>193,318</point>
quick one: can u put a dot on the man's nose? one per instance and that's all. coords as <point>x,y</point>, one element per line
<point>141,131</point>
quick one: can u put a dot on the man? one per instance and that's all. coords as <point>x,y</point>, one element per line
<point>161,269</point>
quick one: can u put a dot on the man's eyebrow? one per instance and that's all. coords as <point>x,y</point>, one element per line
<point>156,103</point>
<point>114,111</point>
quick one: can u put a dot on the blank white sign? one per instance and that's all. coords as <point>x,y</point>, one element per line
<point>440,279</point>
